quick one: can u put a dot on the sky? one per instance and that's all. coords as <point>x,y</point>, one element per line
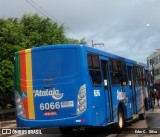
<point>119,24</point>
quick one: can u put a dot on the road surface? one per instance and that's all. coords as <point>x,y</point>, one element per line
<point>137,128</point>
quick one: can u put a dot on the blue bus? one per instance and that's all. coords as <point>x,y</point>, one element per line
<point>72,85</point>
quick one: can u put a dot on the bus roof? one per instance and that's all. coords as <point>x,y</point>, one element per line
<point>104,53</point>
<point>88,49</point>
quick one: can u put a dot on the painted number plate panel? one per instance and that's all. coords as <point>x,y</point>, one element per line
<point>66,104</point>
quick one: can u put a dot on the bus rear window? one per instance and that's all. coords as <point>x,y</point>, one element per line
<point>54,63</point>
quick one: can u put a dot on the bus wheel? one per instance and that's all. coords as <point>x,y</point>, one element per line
<point>146,104</point>
<point>120,119</point>
<point>142,116</point>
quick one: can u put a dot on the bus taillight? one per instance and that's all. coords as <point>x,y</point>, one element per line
<point>82,100</point>
<point>19,105</point>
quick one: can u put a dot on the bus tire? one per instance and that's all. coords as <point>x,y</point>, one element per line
<point>146,104</point>
<point>120,119</point>
<point>142,116</point>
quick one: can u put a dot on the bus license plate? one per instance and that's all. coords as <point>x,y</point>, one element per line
<point>66,104</point>
<point>50,113</point>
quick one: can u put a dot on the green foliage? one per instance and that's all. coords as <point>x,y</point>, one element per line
<point>6,75</point>
<point>74,41</point>
<point>27,32</point>
<point>6,82</point>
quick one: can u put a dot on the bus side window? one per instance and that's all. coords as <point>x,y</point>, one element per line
<point>94,70</point>
<point>139,75</point>
<point>95,77</point>
<point>118,72</point>
<point>129,69</point>
<point>143,76</point>
<point>115,79</point>
<point>90,61</point>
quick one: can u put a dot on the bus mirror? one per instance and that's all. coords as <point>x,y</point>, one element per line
<point>105,82</point>
<point>124,83</point>
<point>130,83</point>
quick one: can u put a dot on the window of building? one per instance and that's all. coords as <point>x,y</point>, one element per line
<point>157,72</point>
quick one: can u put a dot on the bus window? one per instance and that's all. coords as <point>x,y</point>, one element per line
<point>129,69</point>
<point>140,77</point>
<point>115,66</point>
<point>123,78</point>
<point>118,72</point>
<point>122,71</point>
<point>115,79</point>
<point>143,76</point>
<point>90,61</point>
<point>96,62</point>
<point>134,75</point>
<point>120,67</point>
<point>94,70</point>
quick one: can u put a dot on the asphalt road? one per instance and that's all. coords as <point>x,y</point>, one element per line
<point>137,128</point>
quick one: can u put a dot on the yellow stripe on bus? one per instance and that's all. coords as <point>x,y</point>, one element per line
<point>29,84</point>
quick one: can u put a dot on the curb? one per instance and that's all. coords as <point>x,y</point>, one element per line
<point>7,123</point>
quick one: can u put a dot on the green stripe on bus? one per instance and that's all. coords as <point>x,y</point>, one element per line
<point>18,87</point>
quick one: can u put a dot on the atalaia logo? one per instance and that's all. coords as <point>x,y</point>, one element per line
<point>43,93</point>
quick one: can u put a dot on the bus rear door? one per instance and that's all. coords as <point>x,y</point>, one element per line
<point>107,90</point>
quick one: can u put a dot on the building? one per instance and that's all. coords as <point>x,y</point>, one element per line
<point>153,63</point>
<point>157,67</point>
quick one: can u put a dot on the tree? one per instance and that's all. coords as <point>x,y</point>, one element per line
<point>41,31</point>
<point>26,32</point>
<point>74,41</point>
<point>6,83</point>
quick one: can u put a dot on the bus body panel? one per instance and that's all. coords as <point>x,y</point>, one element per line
<point>55,81</point>
<point>85,120</point>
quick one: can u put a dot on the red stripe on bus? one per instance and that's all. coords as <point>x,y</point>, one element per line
<point>23,79</point>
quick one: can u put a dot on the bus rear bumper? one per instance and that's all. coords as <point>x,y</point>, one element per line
<point>64,122</point>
